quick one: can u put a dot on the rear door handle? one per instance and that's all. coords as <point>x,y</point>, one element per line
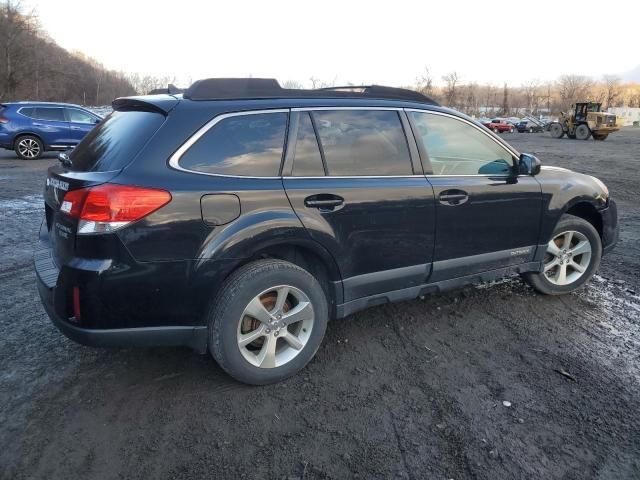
<point>453,197</point>
<point>325,202</point>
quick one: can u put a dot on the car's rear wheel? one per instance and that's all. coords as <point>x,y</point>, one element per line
<point>583,132</point>
<point>495,130</point>
<point>28,147</point>
<point>573,254</point>
<point>267,321</point>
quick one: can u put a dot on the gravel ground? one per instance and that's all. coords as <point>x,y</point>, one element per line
<point>490,382</point>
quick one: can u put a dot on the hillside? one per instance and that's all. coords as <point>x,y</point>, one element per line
<point>34,67</point>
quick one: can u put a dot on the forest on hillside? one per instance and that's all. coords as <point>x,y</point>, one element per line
<point>34,67</point>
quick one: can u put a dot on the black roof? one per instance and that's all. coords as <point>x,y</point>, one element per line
<point>260,88</point>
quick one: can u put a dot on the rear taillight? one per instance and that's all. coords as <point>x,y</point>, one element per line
<point>107,207</point>
<point>4,119</point>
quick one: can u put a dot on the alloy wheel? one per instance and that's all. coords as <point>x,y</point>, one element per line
<point>567,258</point>
<point>275,326</point>
<point>28,148</point>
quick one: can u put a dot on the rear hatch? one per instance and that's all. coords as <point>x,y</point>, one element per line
<point>98,159</point>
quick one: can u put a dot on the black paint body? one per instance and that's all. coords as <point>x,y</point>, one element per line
<point>393,238</point>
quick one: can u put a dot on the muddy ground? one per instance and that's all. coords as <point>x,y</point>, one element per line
<point>413,390</point>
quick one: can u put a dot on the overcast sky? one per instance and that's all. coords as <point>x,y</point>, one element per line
<point>388,42</point>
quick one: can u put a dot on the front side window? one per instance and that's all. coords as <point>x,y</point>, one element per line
<point>55,114</point>
<point>244,145</point>
<point>457,148</point>
<point>363,142</point>
<point>78,116</point>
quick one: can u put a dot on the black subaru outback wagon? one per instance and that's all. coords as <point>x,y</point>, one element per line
<point>238,217</point>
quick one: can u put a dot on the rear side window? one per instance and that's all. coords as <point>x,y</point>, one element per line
<point>52,114</point>
<point>307,161</point>
<point>27,112</point>
<point>243,145</point>
<point>115,141</point>
<point>363,142</point>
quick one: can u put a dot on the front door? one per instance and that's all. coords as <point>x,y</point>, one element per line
<point>80,123</point>
<point>359,194</point>
<point>487,217</point>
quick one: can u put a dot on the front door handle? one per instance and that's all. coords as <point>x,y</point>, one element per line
<point>453,197</point>
<point>325,202</point>
<point>76,128</point>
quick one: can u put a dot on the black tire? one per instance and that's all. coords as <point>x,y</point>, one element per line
<point>539,280</point>
<point>583,132</point>
<point>556,130</point>
<point>496,131</point>
<point>28,147</point>
<point>227,310</point>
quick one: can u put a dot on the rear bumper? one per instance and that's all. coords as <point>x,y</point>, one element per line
<point>54,285</point>
<point>610,227</point>
<point>193,337</point>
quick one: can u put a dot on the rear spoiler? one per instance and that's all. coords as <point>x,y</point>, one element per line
<point>157,103</point>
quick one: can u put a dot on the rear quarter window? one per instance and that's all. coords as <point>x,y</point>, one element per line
<point>115,142</point>
<point>242,145</point>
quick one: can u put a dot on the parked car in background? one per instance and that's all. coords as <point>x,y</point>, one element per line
<point>529,126</point>
<point>499,126</point>
<point>32,128</point>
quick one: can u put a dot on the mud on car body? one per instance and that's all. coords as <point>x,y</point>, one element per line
<point>238,217</point>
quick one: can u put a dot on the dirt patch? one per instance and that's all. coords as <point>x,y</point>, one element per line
<point>413,390</point>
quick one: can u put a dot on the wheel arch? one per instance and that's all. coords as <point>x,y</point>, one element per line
<point>587,211</point>
<point>310,256</point>
<point>29,134</point>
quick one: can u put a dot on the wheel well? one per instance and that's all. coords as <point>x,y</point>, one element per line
<point>24,134</point>
<point>587,212</point>
<point>308,260</point>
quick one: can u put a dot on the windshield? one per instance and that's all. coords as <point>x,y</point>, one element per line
<point>115,141</point>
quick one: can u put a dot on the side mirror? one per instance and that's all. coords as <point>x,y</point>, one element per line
<point>97,121</point>
<point>529,164</point>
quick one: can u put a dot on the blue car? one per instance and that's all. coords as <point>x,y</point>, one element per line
<point>31,128</point>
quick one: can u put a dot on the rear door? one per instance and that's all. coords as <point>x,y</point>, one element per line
<point>51,124</point>
<point>487,216</point>
<point>80,123</point>
<point>355,182</point>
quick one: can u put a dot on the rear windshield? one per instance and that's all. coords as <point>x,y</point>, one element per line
<point>115,141</point>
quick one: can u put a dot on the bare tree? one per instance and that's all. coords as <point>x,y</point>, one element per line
<point>531,91</point>
<point>451,80</point>
<point>612,89</point>
<point>505,100</point>
<point>425,83</point>
<point>292,84</point>
<point>573,88</point>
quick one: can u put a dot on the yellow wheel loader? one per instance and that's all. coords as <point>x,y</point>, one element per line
<point>585,121</point>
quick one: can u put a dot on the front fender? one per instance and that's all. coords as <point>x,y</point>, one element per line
<point>563,189</point>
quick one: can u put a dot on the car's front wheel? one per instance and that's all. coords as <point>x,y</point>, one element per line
<point>267,321</point>
<point>573,255</point>
<point>28,147</point>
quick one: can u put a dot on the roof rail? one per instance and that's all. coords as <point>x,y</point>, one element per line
<point>256,88</point>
